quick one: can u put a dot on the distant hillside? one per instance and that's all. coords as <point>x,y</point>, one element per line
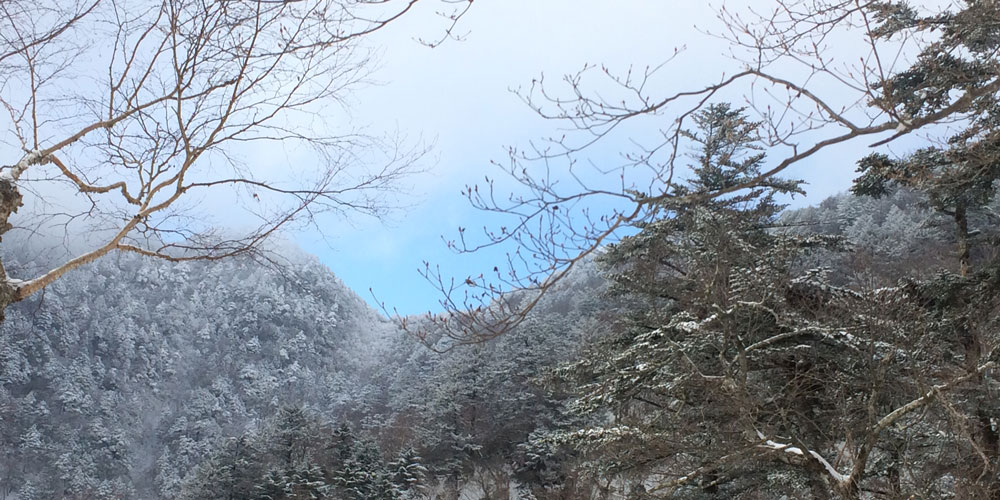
<point>121,377</point>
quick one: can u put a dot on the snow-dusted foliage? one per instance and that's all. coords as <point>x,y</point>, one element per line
<point>125,375</point>
<point>726,350</point>
<point>466,409</point>
<point>297,455</point>
<point>732,353</point>
<point>743,370</point>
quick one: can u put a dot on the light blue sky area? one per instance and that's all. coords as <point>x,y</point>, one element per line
<point>458,96</point>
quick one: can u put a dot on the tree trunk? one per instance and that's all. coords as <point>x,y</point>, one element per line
<point>895,476</point>
<point>986,437</point>
<point>962,236</point>
<point>10,201</point>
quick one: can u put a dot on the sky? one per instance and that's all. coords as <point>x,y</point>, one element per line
<point>458,97</point>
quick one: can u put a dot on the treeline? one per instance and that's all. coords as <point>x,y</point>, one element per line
<point>729,349</point>
<point>298,455</point>
<point>737,350</point>
<point>122,378</point>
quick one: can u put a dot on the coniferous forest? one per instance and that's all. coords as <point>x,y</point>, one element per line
<point>698,339</point>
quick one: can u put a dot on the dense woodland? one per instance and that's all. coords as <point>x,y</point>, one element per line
<point>708,356</point>
<point>703,342</point>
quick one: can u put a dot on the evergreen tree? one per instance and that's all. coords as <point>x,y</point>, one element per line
<point>704,280</point>
<point>359,472</point>
<point>233,473</point>
<point>683,258</point>
<point>737,375</point>
<point>957,181</point>
<point>960,177</point>
<point>408,473</point>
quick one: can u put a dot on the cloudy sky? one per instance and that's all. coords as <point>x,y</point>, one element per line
<point>458,98</point>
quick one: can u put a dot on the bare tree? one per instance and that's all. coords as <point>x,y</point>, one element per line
<point>130,113</point>
<point>910,368</point>
<point>918,70</point>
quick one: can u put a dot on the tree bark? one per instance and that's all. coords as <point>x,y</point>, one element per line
<point>10,201</point>
<point>962,236</point>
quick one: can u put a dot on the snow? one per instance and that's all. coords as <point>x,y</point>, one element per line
<point>13,173</point>
<point>794,450</point>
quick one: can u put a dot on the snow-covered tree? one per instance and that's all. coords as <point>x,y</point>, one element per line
<point>737,375</point>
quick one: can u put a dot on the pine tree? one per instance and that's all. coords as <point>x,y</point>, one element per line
<point>408,473</point>
<point>682,258</point>
<point>293,433</point>
<point>703,281</point>
<point>736,374</point>
<point>357,470</point>
<point>957,181</point>
<point>960,177</point>
<point>233,473</point>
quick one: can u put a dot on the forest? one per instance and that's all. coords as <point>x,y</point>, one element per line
<point>683,333</point>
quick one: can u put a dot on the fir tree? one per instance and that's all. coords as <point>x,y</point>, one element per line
<point>738,375</point>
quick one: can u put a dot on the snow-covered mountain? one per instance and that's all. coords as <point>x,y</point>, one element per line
<point>121,377</point>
